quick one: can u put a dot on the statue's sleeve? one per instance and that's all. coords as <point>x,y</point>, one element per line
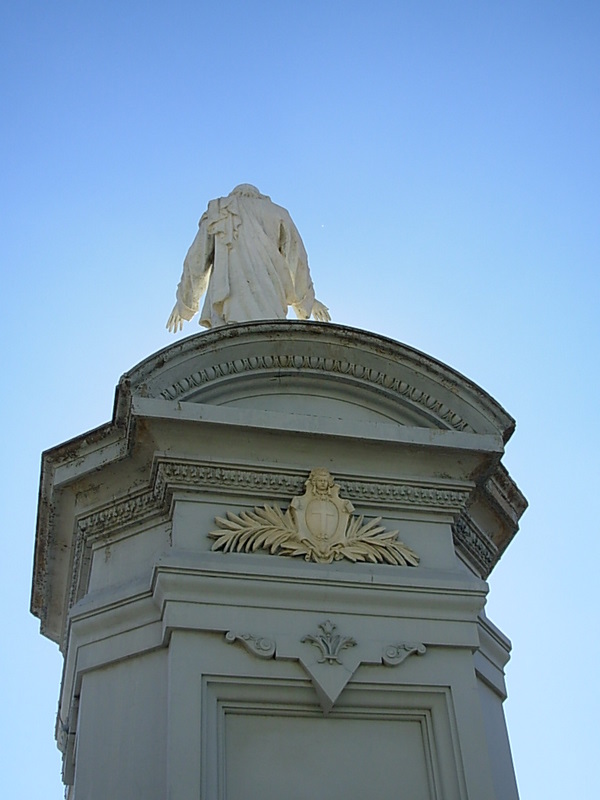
<point>197,268</point>
<point>292,248</point>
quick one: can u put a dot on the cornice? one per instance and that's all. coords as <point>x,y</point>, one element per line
<point>293,347</point>
<point>471,540</point>
<point>506,496</point>
<point>335,367</point>
<point>171,475</point>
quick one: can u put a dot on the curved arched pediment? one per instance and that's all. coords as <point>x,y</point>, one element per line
<point>314,368</point>
<point>403,432</point>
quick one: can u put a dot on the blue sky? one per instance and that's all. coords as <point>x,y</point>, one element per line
<point>441,161</point>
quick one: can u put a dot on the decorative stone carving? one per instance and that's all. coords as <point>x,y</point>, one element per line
<point>120,513</point>
<point>258,645</point>
<point>199,476</point>
<point>329,643</point>
<point>250,261</point>
<point>334,366</point>
<point>395,654</point>
<point>475,544</point>
<point>317,525</point>
<point>328,683</point>
<point>170,474</point>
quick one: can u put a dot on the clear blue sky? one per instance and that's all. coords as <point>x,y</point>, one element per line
<point>442,162</point>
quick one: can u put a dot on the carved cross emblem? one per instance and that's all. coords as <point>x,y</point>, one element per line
<point>321,518</point>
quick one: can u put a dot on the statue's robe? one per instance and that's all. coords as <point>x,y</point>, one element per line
<point>249,259</point>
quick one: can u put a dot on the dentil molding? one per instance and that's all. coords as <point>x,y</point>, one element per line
<point>334,366</point>
<point>170,475</point>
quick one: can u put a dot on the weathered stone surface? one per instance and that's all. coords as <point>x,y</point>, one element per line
<point>127,582</point>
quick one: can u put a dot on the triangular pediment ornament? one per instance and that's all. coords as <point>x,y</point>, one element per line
<point>329,683</point>
<point>329,658</point>
<point>318,525</point>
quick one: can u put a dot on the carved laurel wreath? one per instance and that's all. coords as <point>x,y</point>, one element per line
<point>287,534</point>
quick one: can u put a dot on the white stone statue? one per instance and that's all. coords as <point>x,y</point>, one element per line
<point>249,259</point>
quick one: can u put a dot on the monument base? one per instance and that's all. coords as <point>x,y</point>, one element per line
<point>267,575</point>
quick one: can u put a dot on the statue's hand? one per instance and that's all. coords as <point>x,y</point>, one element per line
<point>175,321</point>
<point>320,312</point>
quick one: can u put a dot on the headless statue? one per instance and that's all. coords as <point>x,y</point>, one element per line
<point>249,259</point>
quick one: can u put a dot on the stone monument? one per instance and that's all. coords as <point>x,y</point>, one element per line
<point>267,573</point>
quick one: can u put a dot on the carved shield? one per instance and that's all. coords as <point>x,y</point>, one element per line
<point>321,520</point>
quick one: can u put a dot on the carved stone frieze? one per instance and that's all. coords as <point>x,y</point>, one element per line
<point>169,475</point>
<point>335,366</point>
<point>173,474</point>
<point>76,574</point>
<point>244,480</point>
<point>474,543</point>
<point>318,525</point>
<point>405,493</point>
<point>121,513</point>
